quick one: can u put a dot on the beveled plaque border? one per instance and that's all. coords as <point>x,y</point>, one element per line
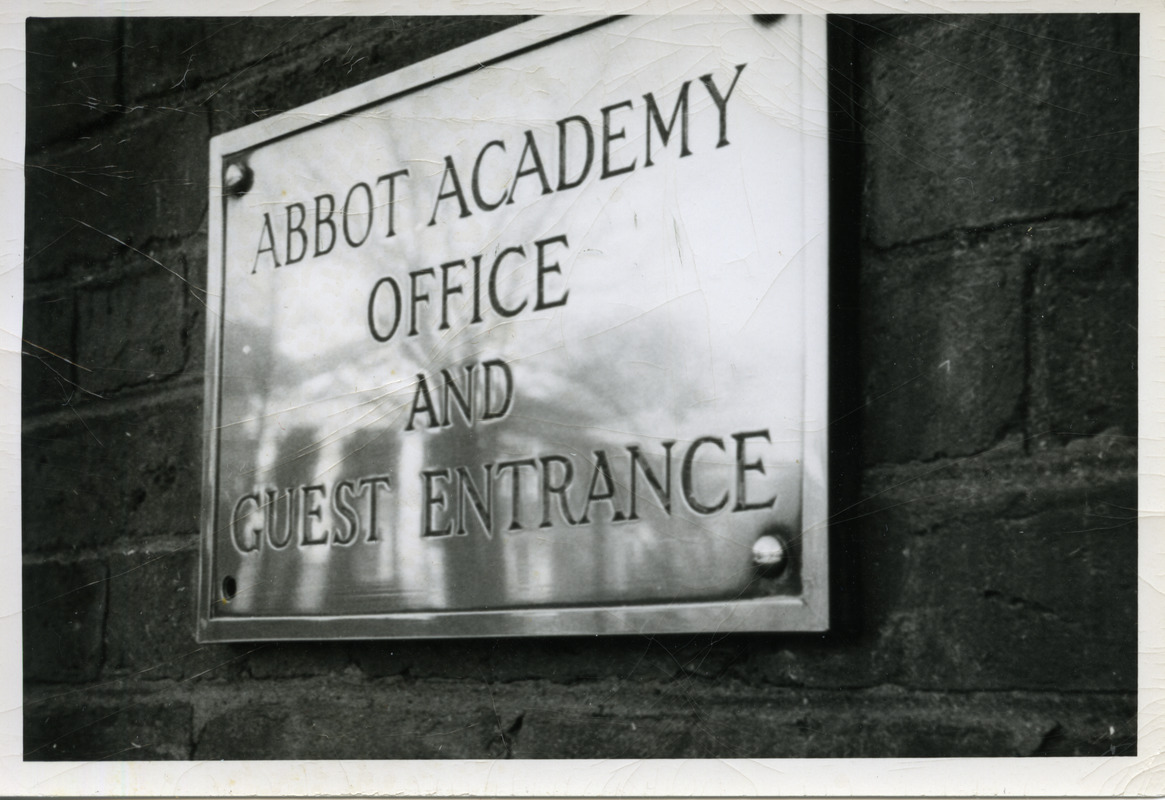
<point>809,611</point>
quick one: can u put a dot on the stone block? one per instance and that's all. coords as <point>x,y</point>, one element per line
<point>166,56</point>
<point>672,719</point>
<point>563,659</point>
<point>236,47</point>
<point>972,121</point>
<point>141,179</point>
<point>132,730</point>
<point>71,486</point>
<point>163,483</point>
<point>297,659</point>
<point>197,307</point>
<point>48,377</point>
<point>1109,728</point>
<point>1007,583</point>
<point>98,475</point>
<point>63,620</point>
<point>375,725</point>
<point>132,331</point>
<point>151,622</point>
<point>1084,342</point>
<point>992,573</point>
<point>942,350</point>
<point>73,69</point>
<point>841,724</point>
<point>347,54</point>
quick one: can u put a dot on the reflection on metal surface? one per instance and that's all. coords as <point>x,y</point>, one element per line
<point>237,178</point>
<point>539,348</point>
<point>768,552</point>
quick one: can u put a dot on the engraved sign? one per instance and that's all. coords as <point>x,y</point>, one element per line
<point>529,338</point>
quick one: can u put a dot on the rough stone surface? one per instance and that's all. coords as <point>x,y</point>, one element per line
<point>1099,732</point>
<point>1036,559</point>
<point>325,718</point>
<point>151,622</point>
<point>560,659</point>
<point>344,56</point>
<point>297,659</point>
<point>1084,346</point>
<point>783,724</point>
<point>938,326</point>
<point>229,51</point>
<point>163,484</point>
<point>143,179</point>
<point>93,477</point>
<point>73,71</point>
<point>605,719</point>
<point>132,331</point>
<point>85,731</point>
<point>48,377</point>
<point>63,619</point>
<point>189,60</point>
<point>164,58</point>
<point>1038,581</point>
<point>70,487</point>
<point>375,725</point>
<point>197,305</point>
<point>749,734</point>
<point>975,120</point>
<point>1016,310</point>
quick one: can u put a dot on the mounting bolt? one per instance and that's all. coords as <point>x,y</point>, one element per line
<point>769,553</point>
<point>230,588</point>
<point>237,179</point>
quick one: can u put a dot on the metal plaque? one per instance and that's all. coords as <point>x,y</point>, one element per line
<point>528,338</point>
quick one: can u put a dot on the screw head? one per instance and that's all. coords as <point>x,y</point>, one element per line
<point>768,552</point>
<point>237,178</point>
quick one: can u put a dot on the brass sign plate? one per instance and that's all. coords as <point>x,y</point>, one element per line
<point>529,338</point>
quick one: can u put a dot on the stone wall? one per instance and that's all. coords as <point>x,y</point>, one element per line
<point>984,445</point>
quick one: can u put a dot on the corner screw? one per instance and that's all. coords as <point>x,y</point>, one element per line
<point>768,553</point>
<point>237,179</point>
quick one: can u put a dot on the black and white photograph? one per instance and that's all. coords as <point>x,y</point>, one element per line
<point>737,387</point>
